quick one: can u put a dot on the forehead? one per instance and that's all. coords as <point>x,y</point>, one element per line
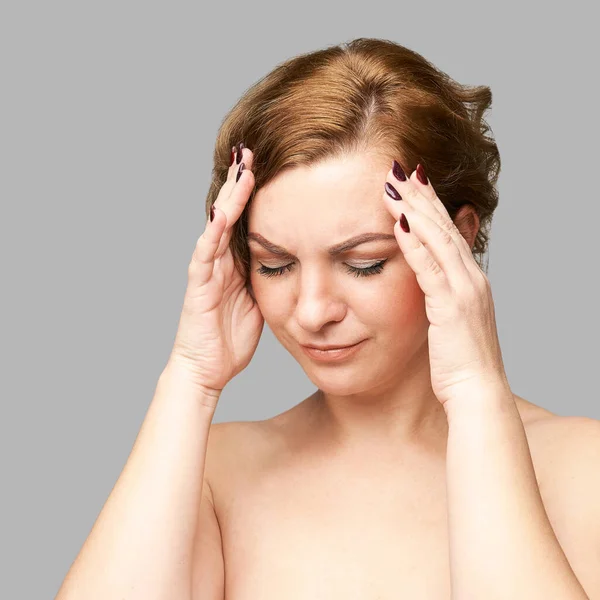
<point>335,196</point>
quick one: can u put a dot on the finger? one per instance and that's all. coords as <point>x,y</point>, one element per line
<point>201,266</point>
<point>419,192</point>
<point>430,251</point>
<point>233,196</point>
<point>234,206</point>
<point>243,182</point>
<point>239,155</point>
<point>424,185</point>
<point>243,161</point>
<point>427,194</point>
<point>433,230</point>
<point>236,158</point>
<point>429,275</point>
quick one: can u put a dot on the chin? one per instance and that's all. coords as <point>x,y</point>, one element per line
<point>340,382</point>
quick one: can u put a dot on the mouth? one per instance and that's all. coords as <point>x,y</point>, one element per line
<point>331,347</point>
<point>332,353</point>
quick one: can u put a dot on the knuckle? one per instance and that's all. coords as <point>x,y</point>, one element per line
<point>447,226</point>
<point>446,236</point>
<point>200,242</point>
<point>431,265</point>
<point>452,228</point>
<point>412,193</point>
<point>192,266</point>
<point>196,256</point>
<point>461,238</point>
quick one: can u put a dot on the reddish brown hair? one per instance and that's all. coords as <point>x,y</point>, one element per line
<point>365,94</point>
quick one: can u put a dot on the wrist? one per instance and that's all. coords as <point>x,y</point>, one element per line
<point>478,399</point>
<point>181,378</point>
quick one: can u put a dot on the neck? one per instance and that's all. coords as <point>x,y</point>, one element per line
<point>400,415</point>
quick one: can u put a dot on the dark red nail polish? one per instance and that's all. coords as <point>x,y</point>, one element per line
<point>212,212</point>
<point>398,171</point>
<point>242,167</point>
<point>239,153</point>
<point>421,175</point>
<point>233,153</point>
<point>404,223</point>
<point>392,191</point>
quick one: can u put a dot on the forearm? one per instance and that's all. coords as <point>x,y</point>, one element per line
<point>502,545</point>
<point>141,544</point>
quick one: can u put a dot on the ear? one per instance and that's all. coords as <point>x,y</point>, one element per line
<point>467,222</point>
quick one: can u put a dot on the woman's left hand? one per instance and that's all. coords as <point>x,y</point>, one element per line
<point>464,349</point>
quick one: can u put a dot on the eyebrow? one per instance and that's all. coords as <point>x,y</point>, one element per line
<point>334,250</point>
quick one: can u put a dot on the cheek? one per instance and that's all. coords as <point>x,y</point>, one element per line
<point>403,307</point>
<point>270,297</point>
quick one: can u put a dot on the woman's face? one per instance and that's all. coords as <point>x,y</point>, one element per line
<point>309,296</point>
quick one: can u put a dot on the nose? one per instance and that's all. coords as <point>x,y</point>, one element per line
<point>320,300</point>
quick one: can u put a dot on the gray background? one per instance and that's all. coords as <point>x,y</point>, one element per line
<point>109,112</point>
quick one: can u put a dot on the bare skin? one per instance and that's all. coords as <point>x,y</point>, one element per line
<point>344,495</point>
<point>300,520</point>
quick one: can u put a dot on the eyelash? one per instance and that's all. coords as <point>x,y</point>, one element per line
<point>365,272</point>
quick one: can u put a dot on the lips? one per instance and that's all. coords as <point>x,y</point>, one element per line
<point>334,354</point>
<point>332,347</point>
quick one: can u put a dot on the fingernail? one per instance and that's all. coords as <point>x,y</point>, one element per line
<point>398,171</point>
<point>421,175</point>
<point>404,223</point>
<point>233,153</point>
<point>392,191</point>
<point>212,212</point>
<point>237,177</point>
<point>239,153</point>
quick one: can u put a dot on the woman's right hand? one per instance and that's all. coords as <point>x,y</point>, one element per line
<point>220,323</point>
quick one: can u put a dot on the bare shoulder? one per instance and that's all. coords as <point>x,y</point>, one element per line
<point>566,453</point>
<point>224,440</point>
<point>557,434</point>
<point>572,445</point>
<point>234,450</point>
<point>571,450</point>
<point>229,439</point>
<point>531,413</point>
<point>563,443</point>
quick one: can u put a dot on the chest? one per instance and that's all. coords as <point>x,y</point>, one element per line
<point>299,530</point>
<point>300,535</point>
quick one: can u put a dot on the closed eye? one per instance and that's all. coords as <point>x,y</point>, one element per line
<point>356,271</point>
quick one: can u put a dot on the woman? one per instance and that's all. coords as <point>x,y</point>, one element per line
<point>354,214</point>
